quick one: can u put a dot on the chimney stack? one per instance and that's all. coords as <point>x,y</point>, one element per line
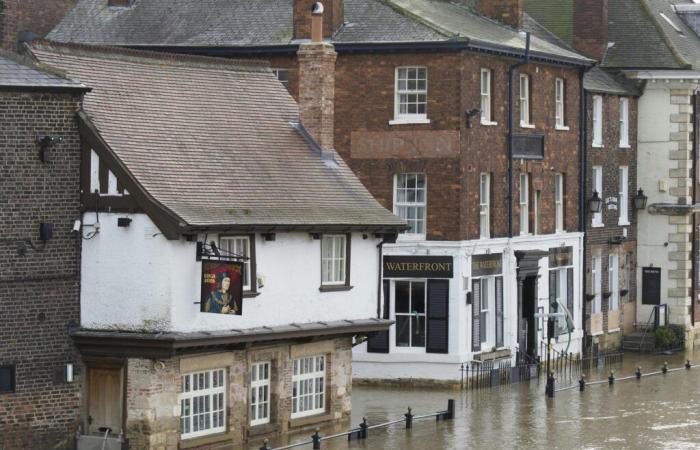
<point>509,12</point>
<point>333,12</point>
<point>590,30</point>
<point>317,82</point>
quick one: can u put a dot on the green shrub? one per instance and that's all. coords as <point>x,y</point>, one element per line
<point>671,336</point>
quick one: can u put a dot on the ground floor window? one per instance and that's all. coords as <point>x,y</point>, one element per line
<point>561,293</point>
<point>260,393</point>
<point>308,386</point>
<point>203,403</point>
<point>409,308</point>
<point>487,316</point>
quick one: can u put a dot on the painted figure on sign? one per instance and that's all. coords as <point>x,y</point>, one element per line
<point>221,301</point>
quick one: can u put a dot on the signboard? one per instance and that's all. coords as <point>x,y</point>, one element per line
<point>561,257</point>
<point>528,146</point>
<point>485,265</point>
<point>222,287</point>
<point>418,266</point>
<point>651,285</point>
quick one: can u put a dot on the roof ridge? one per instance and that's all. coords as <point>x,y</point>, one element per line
<point>151,56</point>
<point>28,60</point>
<point>669,43</point>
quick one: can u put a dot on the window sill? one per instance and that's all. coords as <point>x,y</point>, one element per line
<point>560,128</point>
<point>205,440</point>
<point>411,237</point>
<point>615,330</point>
<point>597,225</point>
<point>489,123</point>
<point>623,224</point>
<point>409,121</point>
<point>625,146</point>
<point>310,420</point>
<point>527,125</point>
<point>334,288</point>
<point>594,145</point>
<point>250,294</point>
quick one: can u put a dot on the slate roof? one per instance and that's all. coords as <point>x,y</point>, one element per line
<point>235,23</point>
<point>600,81</point>
<point>17,73</point>
<point>214,142</point>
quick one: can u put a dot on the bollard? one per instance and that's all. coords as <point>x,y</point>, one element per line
<point>611,378</point>
<point>316,438</point>
<point>550,385</point>
<point>687,364</point>
<point>363,428</point>
<point>638,373</point>
<point>409,418</point>
<point>664,369</point>
<point>582,384</point>
<point>265,445</point>
<point>450,409</point>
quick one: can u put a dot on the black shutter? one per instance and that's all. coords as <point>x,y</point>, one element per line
<point>379,342</point>
<point>499,311</point>
<point>476,307</point>
<point>552,290</point>
<point>438,316</point>
<point>570,290</point>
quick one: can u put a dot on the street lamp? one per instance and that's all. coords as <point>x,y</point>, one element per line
<point>595,203</point>
<point>640,200</point>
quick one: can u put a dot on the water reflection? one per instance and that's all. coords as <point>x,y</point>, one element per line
<point>657,412</point>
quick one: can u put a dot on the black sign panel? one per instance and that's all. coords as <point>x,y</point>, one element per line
<point>485,265</point>
<point>651,285</point>
<point>528,146</point>
<point>561,257</point>
<point>418,266</point>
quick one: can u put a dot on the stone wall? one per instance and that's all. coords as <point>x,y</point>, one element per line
<point>39,282</point>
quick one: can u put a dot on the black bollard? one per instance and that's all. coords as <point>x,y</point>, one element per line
<point>611,378</point>
<point>638,373</point>
<point>363,428</point>
<point>550,385</point>
<point>409,418</point>
<point>265,445</point>
<point>450,409</point>
<point>664,369</point>
<point>582,384</point>
<point>687,364</point>
<point>316,438</point>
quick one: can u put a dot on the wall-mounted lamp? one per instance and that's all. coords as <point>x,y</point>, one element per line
<point>268,236</point>
<point>595,203</point>
<point>470,114</point>
<point>315,236</point>
<point>45,143</point>
<point>640,200</point>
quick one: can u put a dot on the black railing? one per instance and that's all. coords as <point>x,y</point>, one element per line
<point>489,374</point>
<point>569,365</point>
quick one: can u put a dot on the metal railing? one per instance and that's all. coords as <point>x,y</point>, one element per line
<point>485,375</point>
<point>654,321</point>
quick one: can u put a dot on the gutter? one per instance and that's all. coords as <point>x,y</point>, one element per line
<point>511,70</point>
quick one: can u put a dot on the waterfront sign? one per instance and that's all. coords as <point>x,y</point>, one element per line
<point>485,265</point>
<point>418,266</point>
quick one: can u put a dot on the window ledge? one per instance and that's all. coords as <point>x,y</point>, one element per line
<point>250,294</point>
<point>597,225</point>
<point>560,128</point>
<point>205,440</point>
<point>409,121</point>
<point>595,145</point>
<point>625,146</point>
<point>527,125</point>
<point>624,224</point>
<point>488,123</point>
<point>615,330</point>
<point>335,288</point>
<point>310,420</point>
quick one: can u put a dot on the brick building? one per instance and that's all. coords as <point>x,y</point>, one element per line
<point>40,371</point>
<point>423,117</point>
<point>19,18</point>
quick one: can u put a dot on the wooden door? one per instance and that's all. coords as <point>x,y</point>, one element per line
<point>105,399</point>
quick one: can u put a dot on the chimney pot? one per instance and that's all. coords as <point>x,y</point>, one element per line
<point>317,22</point>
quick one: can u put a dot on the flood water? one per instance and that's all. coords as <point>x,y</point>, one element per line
<point>658,412</point>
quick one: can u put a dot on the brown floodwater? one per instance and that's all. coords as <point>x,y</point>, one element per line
<point>657,412</point>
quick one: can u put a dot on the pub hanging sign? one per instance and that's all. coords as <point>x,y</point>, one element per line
<point>418,266</point>
<point>222,281</point>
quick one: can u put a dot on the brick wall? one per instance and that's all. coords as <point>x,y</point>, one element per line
<point>38,16</point>
<point>590,27</point>
<point>39,284</point>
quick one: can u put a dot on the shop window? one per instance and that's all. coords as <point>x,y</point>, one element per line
<point>409,309</point>
<point>259,393</point>
<point>7,379</point>
<point>411,94</point>
<point>241,246</point>
<point>308,386</point>
<point>334,264</point>
<point>203,403</point>
<point>410,202</point>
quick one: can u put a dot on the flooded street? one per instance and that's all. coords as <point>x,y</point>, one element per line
<point>657,412</point>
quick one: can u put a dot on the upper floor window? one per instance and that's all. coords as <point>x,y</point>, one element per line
<point>597,121</point>
<point>411,95</point>
<point>485,205</point>
<point>524,203</point>
<point>259,393</point>
<point>308,386</point>
<point>203,403</point>
<point>613,286</point>
<point>596,284</point>
<point>559,103</point>
<point>597,178</point>
<point>486,100</point>
<point>283,76</point>
<point>623,180</point>
<point>559,202</point>
<point>624,122</point>
<point>537,204</point>
<point>410,201</point>
<point>525,101</point>
<point>241,246</point>
<point>334,259</point>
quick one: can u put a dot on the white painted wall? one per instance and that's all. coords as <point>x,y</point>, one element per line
<point>133,278</point>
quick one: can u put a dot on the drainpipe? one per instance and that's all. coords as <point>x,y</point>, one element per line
<point>693,193</point>
<point>583,140</point>
<point>379,280</point>
<point>511,70</point>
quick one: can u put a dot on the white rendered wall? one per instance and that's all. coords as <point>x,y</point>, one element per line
<point>135,279</point>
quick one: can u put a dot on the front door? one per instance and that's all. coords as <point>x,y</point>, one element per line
<point>105,399</point>
<point>527,324</point>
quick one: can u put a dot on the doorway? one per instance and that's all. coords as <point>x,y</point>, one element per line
<point>105,400</point>
<point>528,322</point>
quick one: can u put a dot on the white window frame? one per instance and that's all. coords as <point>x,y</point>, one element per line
<point>278,72</point>
<point>420,206</point>
<point>559,104</point>
<point>623,203</point>
<point>613,282</point>
<point>559,202</point>
<point>406,117</point>
<point>485,205</point>
<point>308,384</point>
<point>487,311</point>
<point>206,393</point>
<point>524,204</point>
<point>239,245</point>
<point>421,318</point>
<point>335,262</point>
<point>597,283</point>
<point>486,100</point>
<point>536,212</point>
<point>597,121</point>
<point>624,122</point>
<point>260,374</point>
<point>597,178</point>
<point>525,119</point>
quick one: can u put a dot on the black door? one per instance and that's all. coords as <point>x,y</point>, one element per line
<point>527,323</point>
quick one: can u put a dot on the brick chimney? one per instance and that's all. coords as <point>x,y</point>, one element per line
<point>509,12</point>
<point>590,30</point>
<point>19,17</point>
<point>317,82</point>
<point>332,18</point>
